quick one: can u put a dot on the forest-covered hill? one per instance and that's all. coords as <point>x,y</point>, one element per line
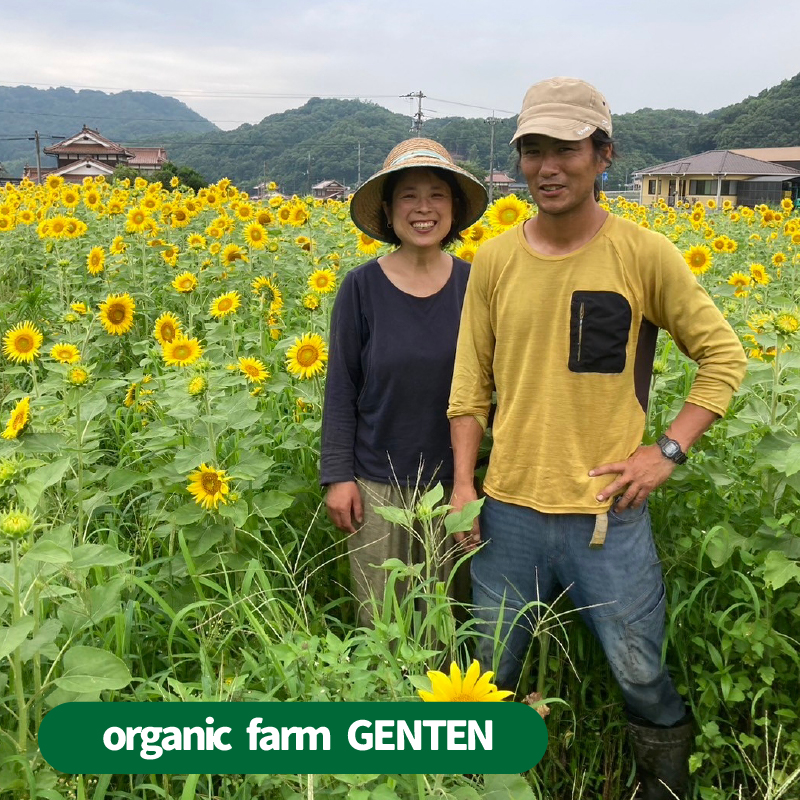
<point>140,118</point>
<point>345,139</point>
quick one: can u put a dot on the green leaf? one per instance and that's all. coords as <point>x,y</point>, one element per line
<point>12,637</point>
<point>187,514</point>
<point>41,641</point>
<point>121,479</point>
<point>397,516</point>
<point>507,787</point>
<point>97,555</point>
<point>792,460</point>
<point>190,458</point>
<point>88,669</point>
<point>432,497</point>
<point>92,404</point>
<point>237,512</point>
<point>251,467</point>
<point>779,570</point>
<point>50,474</point>
<point>29,493</point>
<point>244,419</point>
<point>48,552</point>
<point>272,504</point>
<point>461,521</point>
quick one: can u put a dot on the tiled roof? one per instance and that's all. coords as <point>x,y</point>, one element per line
<point>500,177</point>
<point>87,136</point>
<point>717,162</point>
<point>147,155</point>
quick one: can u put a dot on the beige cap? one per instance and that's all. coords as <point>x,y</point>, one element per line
<point>564,108</point>
<point>366,206</point>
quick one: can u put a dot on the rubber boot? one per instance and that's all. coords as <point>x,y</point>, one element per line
<point>662,754</point>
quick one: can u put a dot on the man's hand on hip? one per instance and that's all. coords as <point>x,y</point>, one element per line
<point>644,471</point>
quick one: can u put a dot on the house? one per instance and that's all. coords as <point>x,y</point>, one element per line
<point>89,154</point>
<point>500,182</point>
<point>329,190</point>
<point>719,175</point>
<point>786,156</point>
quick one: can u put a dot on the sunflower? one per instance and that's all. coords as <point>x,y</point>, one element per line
<point>741,282</point>
<point>787,322</point>
<point>322,281</point>
<point>70,197</point>
<point>137,220</point>
<point>731,245</point>
<point>759,274</point>
<point>167,327</point>
<point>77,376</point>
<point>19,419</point>
<point>472,688</point>
<point>254,370</point>
<point>304,243</point>
<point>185,283</point>
<point>263,284</point>
<point>712,204</point>
<point>475,233</point>
<point>284,212</point>
<point>264,217</point>
<point>366,244</point>
<point>95,261</point>
<point>116,313</point>
<point>79,308</point>
<point>232,253</point>
<point>181,352</point>
<point>244,211</point>
<point>118,246</point>
<point>778,259</point>
<point>307,356</point>
<point>54,182</point>
<point>65,353</point>
<point>719,244</point>
<point>311,301</point>
<point>698,258</point>
<point>224,304</point>
<point>180,217</point>
<point>208,486</point>
<point>255,235</point>
<point>466,251</point>
<point>22,342</point>
<point>196,241</point>
<point>130,395</point>
<point>786,204</point>
<point>298,215</point>
<point>507,212</point>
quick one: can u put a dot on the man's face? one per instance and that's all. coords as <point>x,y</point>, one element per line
<point>560,174</point>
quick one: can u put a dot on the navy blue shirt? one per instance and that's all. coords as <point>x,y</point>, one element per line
<point>390,365</point>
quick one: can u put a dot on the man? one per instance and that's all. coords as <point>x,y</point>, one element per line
<point>560,320</point>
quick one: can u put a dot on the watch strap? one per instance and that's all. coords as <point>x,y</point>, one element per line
<point>678,456</point>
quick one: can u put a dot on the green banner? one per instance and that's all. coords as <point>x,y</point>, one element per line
<point>330,738</point>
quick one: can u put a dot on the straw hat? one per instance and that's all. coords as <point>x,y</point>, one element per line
<point>366,205</point>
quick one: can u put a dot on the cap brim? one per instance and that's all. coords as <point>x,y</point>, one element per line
<point>568,130</point>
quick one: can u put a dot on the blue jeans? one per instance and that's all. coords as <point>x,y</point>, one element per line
<point>617,588</point>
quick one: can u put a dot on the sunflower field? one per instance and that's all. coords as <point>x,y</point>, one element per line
<point>163,535</point>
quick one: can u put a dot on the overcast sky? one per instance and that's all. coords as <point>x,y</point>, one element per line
<point>236,61</point>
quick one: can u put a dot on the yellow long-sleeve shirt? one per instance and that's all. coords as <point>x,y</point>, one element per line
<point>565,341</point>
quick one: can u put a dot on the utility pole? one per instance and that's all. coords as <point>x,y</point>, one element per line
<point>417,119</point>
<point>38,159</point>
<point>309,172</point>
<point>492,121</point>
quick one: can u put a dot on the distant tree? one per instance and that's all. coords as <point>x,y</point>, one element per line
<point>123,171</point>
<point>474,169</point>
<point>186,175</point>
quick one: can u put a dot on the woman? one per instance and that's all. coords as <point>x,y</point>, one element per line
<point>393,337</point>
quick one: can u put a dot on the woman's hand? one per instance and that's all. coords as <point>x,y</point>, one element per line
<point>343,502</point>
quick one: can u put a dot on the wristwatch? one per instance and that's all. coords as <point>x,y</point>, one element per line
<point>671,449</point>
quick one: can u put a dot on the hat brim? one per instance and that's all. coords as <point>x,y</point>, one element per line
<point>568,130</point>
<point>366,204</point>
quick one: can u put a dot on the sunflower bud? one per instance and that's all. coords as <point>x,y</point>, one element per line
<point>14,524</point>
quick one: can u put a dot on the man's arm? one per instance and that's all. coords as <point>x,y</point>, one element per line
<point>648,467</point>
<point>466,434</point>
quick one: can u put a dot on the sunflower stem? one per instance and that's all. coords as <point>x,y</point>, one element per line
<point>16,658</point>
<point>79,447</point>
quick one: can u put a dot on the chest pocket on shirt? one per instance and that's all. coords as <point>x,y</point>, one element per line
<point>599,327</point>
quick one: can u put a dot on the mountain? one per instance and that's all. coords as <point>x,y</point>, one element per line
<point>348,139</point>
<point>128,117</point>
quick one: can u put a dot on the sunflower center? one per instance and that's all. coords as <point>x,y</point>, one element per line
<point>211,483</point>
<point>225,304</point>
<point>252,370</point>
<point>698,259</point>
<point>508,216</point>
<point>181,352</point>
<point>116,314</point>
<point>307,355</point>
<point>24,343</point>
<point>168,331</point>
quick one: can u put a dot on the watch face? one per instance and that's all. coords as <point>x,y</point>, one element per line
<point>671,449</point>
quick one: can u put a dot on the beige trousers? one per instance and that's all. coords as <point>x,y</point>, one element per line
<point>378,540</point>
